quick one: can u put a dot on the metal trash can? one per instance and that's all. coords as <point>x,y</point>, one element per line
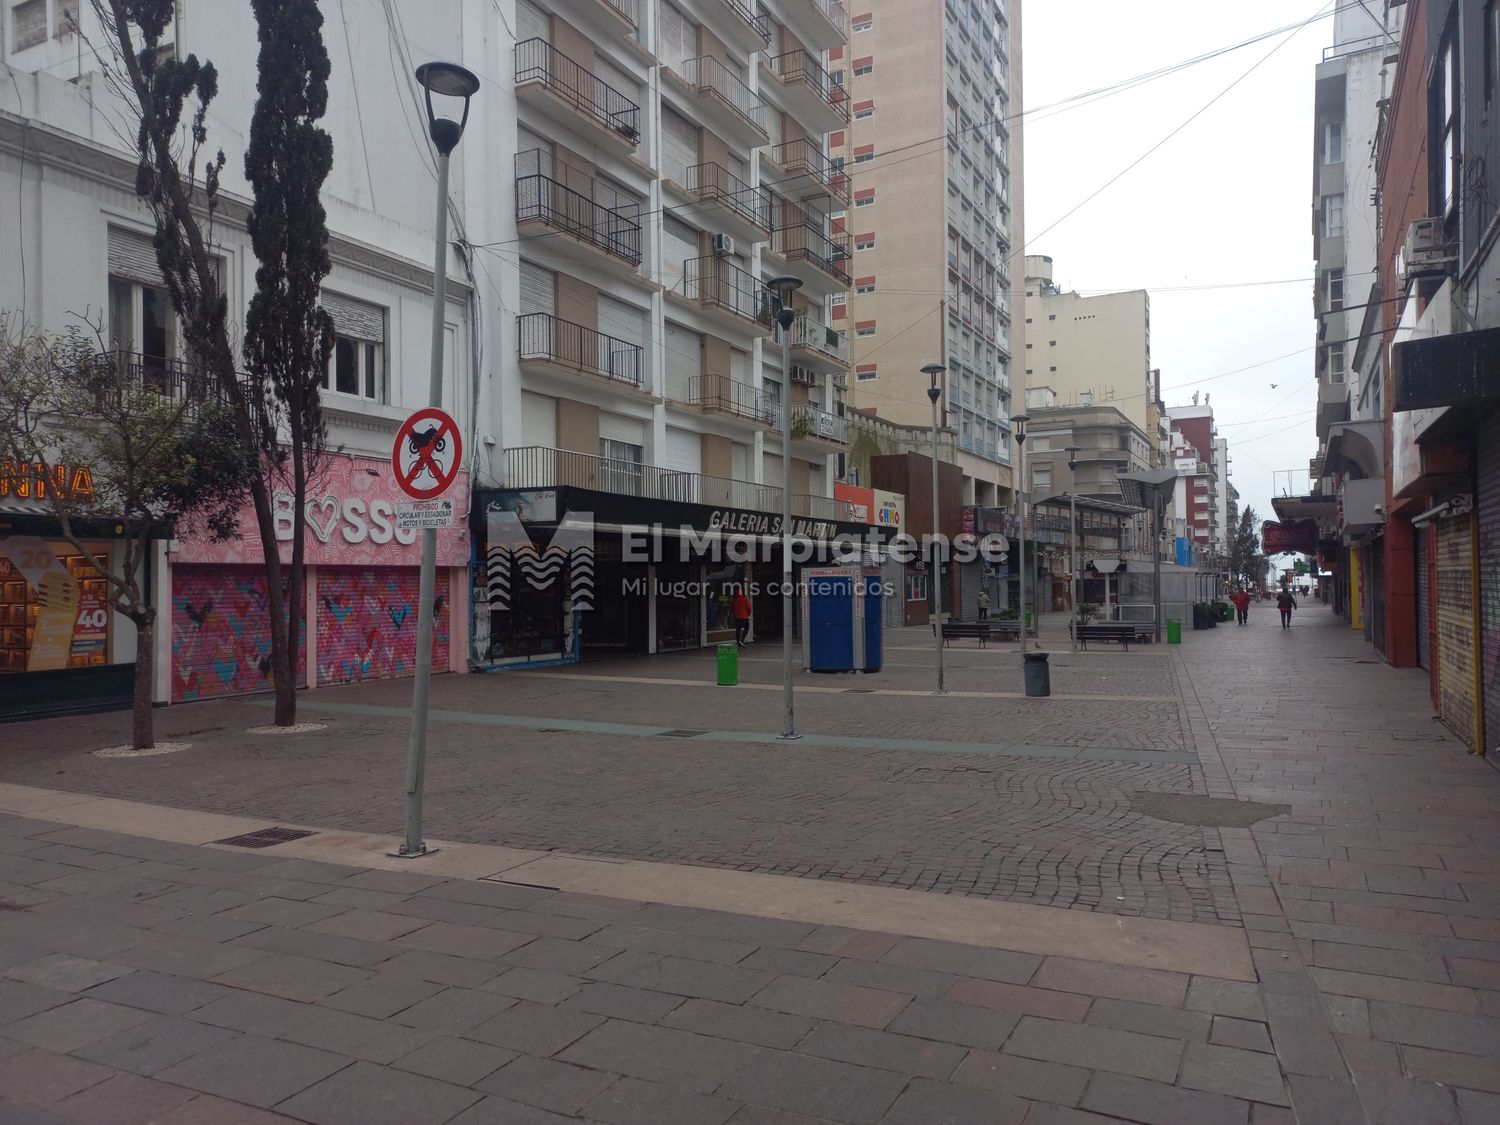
<point>1038,675</point>
<point>729,664</point>
<point>1174,631</point>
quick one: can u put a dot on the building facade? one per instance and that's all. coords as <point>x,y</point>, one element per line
<point>1201,459</point>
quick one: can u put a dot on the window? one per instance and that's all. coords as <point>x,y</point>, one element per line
<point>1443,103</point>
<point>865,287</point>
<point>141,319</point>
<point>865,242</point>
<point>865,112</point>
<point>1336,363</point>
<point>28,24</point>
<point>863,23</point>
<point>1491,48</point>
<point>1050,316</point>
<point>1333,143</point>
<point>864,373</point>
<point>1333,216</point>
<point>864,67</point>
<point>916,587</point>
<point>837,299</point>
<point>864,157</point>
<point>864,200</point>
<point>1041,477</point>
<point>355,369</point>
<point>1335,287</point>
<point>865,330</point>
<point>835,77</point>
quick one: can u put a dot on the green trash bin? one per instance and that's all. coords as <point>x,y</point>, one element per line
<point>1174,631</point>
<point>729,664</point>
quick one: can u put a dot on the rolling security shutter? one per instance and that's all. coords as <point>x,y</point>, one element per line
<point>132,257</point>
<point>676,37</point>
<point>623,83</point>
<point>684,355</point>
<point>739,366</point>
<point>1487,504</point>
<point>679,146</point>
<point>358,320</point>
<point>1457,705</point>
<point>684,452</point>
<point>531,22</point>
<point>539,419</point>
<point>536,289</point>
<point>617,427</point>
<point>623,325</point>
<point>679,245</point>
<point>1424,599</point>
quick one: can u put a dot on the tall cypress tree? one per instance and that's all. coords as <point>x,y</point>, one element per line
<point>288,335</point>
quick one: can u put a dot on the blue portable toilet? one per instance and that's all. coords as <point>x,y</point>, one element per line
<point>841,619</point>
<point>873,604</point>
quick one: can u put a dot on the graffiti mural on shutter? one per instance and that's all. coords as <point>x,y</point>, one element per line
<point>1457,705</point>
<point>1424,597</point>
<point>1487,508</point>
<point>367,623</point>
<point>221,633</point>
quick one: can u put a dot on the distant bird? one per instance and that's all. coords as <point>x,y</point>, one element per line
<point>1274,386</point>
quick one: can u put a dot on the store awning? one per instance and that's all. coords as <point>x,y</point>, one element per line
<point>1356,449</point>
<point>1445,370</point>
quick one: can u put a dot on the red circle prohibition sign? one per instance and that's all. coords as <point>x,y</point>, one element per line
<point>427,453</point>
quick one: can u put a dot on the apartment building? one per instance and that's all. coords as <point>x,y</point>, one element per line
<point>935,218</point>
<point>1091,351</point>
<point>1201,460</point>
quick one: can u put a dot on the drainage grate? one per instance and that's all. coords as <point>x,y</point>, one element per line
<point>266,838</point>
<point>859,691</point>
<point>682,732</point>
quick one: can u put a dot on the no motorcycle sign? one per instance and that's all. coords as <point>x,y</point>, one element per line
<point>427,454</point>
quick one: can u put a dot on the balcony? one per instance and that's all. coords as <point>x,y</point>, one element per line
<point>819,347</point>
<point>733,21</point>
<point>821,260</point>
<point>608,19</point>
<point>594,234</point>
<point>722,100</point>
<point>723,291</point>
<point>823,508</point>
<point>124,373</point>
<point>737,208</point>
<point>807,91</point>
<point>801,171</point>
<point>824,23</point>
<point>819,427</point>
<point>540,466</point>
<point>560,347</point>
<point>719,394</point>
<point>574,98</point>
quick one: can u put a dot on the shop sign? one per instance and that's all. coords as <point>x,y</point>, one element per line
<point>861,501</point>
<point>890,510</point>
<point>1283,538</point>
<point>91,627</point>
<point>27,481</point>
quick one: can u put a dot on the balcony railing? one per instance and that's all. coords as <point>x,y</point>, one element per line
<point>823,508</point>
<point>809,421</point>
<point>542,199</point>
<point>802,158</point>
<point>173,379</point>
<point>809,333</point>
<point>626,8</point>
<point>709,76</point>
<point>543,337</point>
<point>539,61</point>
<point>803,241</point>
<point>729,396</point>
<point>834,11</point>
<point>540,466</point>
<point>800,67</point>
<point>717,183</point>
<point>746,14</point>
<point>722,284</point>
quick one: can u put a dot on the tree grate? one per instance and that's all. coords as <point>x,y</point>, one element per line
<point>682,732</point>
<point>266,837</point>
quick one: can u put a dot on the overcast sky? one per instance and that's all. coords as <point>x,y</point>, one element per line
<point>1225,201</point>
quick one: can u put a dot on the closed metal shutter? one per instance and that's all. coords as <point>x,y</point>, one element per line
<point>1488,511</point>
<point>132,257</point>
<point>679,146</point>
<point>684,452</point>
<point>617,427</point>
<point>684,356</point>
<point>1458,705</point>
<point>531,22</point>
<point>1424,599</point>
<point>353,318</point>
<point>676,37</point>
<point>739,366</point>
<point>621,325</point>
<point>679,244</point>
<point>537,294</point>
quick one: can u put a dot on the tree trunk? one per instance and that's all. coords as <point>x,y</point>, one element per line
<point>143,714</point>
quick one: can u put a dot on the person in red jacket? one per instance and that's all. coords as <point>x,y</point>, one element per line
<point>741,610</point>
<point>1241,600</point>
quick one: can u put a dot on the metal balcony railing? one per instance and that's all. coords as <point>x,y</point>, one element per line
<point>542,336</point>
<point>715,182</point>
<point>542,199</point>
<point>722,284</point>
<point>822,508</point>
<point>834,10</point>
<point>124,372</point>
<point>803,241</point>
<point>802,158</point>
<point>799,66</point>
<point>809,421</point>
<point>539,61</point>
<point>729,396</point>
<point>712,78</point>
<point>540,466</point>
<point>745,13</point>
<point>626,8</point>
<point>809,333</point>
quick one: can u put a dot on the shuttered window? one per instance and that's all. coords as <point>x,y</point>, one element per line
<point>531,22</point>
<point>133,257</point>
<point>683,354</point>
<point>684,452</point>
<point>538,419</point>
<point>676,37</point>
<point>679,146</point>
<point>536,289</point>
<point>679,245</point>
<point>617,427</point>
<point>624,322</point>
<point>358,320</point>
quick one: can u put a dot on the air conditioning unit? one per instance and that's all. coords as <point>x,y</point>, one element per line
<point>723,245</point>
<point>1427,252</point>
<point>804,375</point>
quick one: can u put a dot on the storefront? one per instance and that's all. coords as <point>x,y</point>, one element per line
<point>547,596</point>
<point>360,610</point>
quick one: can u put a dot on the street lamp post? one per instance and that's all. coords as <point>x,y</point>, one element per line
<point>1018,424</point>
<point>447,80</point>
<point>934,372</point>
<point>1072,452</point>
<point>782,289</point>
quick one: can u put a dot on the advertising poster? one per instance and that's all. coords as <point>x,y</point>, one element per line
<point>91,628</point>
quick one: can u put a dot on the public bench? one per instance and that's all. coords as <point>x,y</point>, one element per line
<point>979,630</point>
<point>1119,632</point>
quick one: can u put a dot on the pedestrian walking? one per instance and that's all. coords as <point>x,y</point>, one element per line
<point>741,610</point>
<point>1286,603</point>
<point>984,605</point>
<point>1241,600</point>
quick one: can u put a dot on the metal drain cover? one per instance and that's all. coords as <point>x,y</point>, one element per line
<point>682,732</point>
<point>1205,812</point>
<point>266,837</point>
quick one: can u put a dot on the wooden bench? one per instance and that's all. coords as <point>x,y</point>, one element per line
<point>961,629</point>
<point>1121,632</point>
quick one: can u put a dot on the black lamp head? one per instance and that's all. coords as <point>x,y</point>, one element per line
<point>448,80</point>
<point>1018,427</point>
<point>934,372</point>
<point>782,289</point>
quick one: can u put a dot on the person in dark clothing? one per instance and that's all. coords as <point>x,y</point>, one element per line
<point>741,610</point>
<point>1286,603</point>
<point>1241,600</point>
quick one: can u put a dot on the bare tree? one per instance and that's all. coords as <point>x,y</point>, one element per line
<point>159,452</point>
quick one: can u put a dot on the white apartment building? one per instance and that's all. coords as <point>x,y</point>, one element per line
<point>632,173</point>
